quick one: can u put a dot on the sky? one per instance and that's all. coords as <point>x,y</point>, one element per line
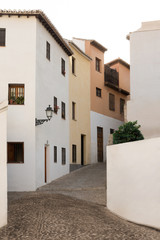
<point>106,21</point>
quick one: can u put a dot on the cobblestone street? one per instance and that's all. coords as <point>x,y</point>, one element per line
<point>72,207</point>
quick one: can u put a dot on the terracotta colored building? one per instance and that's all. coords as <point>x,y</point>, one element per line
<point>109,86</point>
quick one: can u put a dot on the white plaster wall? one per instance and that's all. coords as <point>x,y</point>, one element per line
<point>133,181</point>
<point>17,61</point>
<point>49,83</point>
<point>3,164</point>
<point>80,43</point>
<point>99,120</point>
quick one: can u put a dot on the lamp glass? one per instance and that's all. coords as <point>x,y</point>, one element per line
<point>49,112</point>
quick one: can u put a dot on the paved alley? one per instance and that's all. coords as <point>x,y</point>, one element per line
<point>72,207</point>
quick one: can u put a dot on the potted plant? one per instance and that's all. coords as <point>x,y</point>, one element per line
<point>12,100</point>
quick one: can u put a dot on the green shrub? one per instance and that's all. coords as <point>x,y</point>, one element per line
<point>127,132</point>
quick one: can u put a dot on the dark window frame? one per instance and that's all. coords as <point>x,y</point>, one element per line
<point>14,149</point>
<point>98,92</point>
<point>73,65</point>
<point>73,111</point>
<point>48,50</point>
<point>63,110</point>
<point>122,103</point>
<point>55,154</point>
<point>16,96</point>
<point>63,156</point>
<point>111,102</point>
<point>55,106</point>
<point>2,37</point>
<point>63,67</point>
<point>74,153</point>
<point>98,64</point>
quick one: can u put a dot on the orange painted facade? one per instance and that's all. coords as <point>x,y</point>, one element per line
<point>101,104</point>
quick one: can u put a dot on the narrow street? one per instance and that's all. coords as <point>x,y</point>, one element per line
<point>72,207</point>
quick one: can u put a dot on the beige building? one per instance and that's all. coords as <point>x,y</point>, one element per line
<point>79,106</point>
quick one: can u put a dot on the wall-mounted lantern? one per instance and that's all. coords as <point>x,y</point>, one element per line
<point>49,112</point>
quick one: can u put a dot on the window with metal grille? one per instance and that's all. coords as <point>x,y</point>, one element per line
<point>63,114</point>
<point>74,157</point>
<point>15,152</point>
<point>98,63</point>
<point>73,65</point>
<point>98,92</point>
<point>63,66</point>
<point>111,102</point>
<point>48,50</point>
<point>55,154</point>
<point>63,156</point>
<point>16,94</point>
<point>122,102</point>
<point>2,36</point>
<point>73,110</point>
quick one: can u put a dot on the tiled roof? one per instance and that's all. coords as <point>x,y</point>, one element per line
<point>116,61</point>
<point>94,43</point>
<point>44,21</point>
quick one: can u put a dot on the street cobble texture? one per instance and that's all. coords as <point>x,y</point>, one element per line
<point>46,214</point>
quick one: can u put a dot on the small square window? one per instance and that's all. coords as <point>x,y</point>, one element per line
<point>15,152</point>
<point>2,36</point>
<point>16,94</point>
<point>111,102</point>
<point>63,66</point>
<point>63,110</point>
<point>98,63</point>
<point>48,50</point>
<point>63,156</point>
<point>98,92</point>
<point>55,154</point>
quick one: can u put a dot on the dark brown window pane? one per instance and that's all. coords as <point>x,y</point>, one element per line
<point>63,110</point>
<point>73,65</point>
<point>55,105</point>
<point>48,50</point>
<point>98,92</point>
<point>73,110</point>
<point>63,156</point>
<point>15,152</point>
<point>74,153</point>
<point>98,64</point>
<point>122,102</point>
<point>55,154</point>
<point>2,36</point>
<point>63,67</point>
<point>111,102</point>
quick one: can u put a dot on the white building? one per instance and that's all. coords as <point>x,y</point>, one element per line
<point>34,74</point>
<point>145,78</point>
<point>3,164</point>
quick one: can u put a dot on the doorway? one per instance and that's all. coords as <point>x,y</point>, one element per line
<point>45,164</point>
<point>100,144</point>
<point>82,149</point>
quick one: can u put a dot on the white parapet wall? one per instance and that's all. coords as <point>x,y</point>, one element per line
<point>133,181</point>
<point>3,164</point>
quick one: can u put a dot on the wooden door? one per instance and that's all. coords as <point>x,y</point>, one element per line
<point>45,164</point>
<point>100,144</point>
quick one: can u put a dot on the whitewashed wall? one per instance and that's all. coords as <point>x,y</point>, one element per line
<point>49,83</point>
<point>133,181</point>
<point>144,77</point>
<point>17,61</point>
<point>99,120</point>
<point>3,164</point>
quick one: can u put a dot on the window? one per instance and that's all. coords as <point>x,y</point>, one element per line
<point>98,92</point>
<point>15,152</point>
<point>74,153</point>
<point>122,102</point>
<point>63,114</point>
<point>73,110</point>
<point>55,154</point>
<point>63,156</point>
<point>63,67</point>
<point>2,36</point>
<point>111,102</point>
<point>73,65</point>
<point>98,62</point>
<point>111,130</point>
<point>55,109</point>
<point>16,94</point>
<point>48,50</point>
